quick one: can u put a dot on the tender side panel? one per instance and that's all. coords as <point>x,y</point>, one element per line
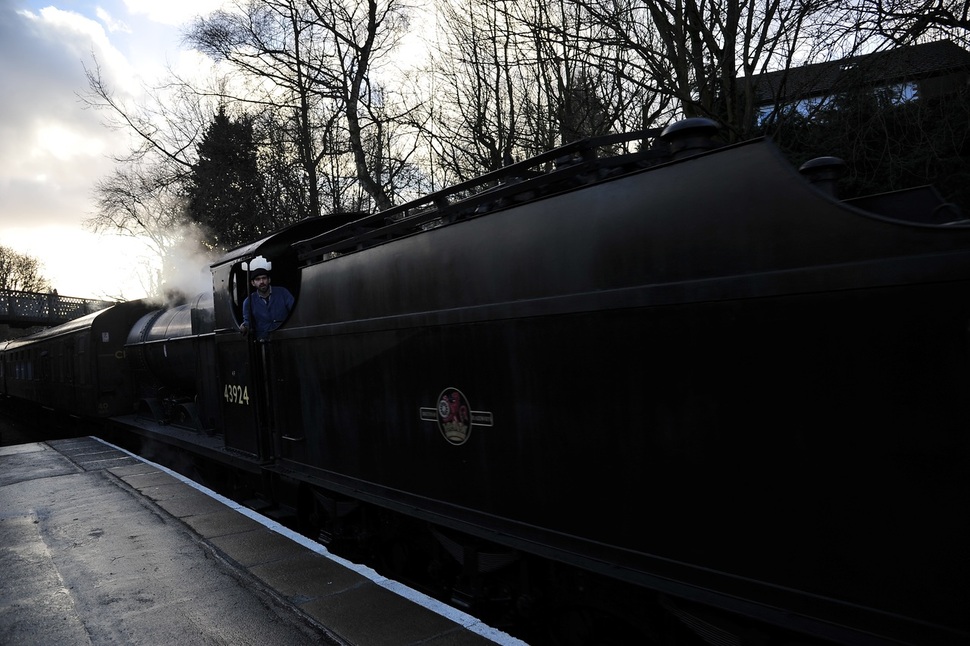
<point>776,386</point>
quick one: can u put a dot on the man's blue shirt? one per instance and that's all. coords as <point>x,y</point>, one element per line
<point>268,313</point>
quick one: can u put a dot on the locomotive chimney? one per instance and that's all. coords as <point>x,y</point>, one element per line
<point>824,172</point>
<point>690,136</point>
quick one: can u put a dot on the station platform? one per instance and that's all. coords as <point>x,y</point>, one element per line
<point>98,546</point>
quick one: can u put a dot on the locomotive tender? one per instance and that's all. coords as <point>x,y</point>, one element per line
<point>688,370</point>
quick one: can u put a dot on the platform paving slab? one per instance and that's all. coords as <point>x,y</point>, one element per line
<point>86,562</point>
<point>104,548</point>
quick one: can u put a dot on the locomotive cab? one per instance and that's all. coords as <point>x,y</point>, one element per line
<point>230,274</point>
<point>243,364</point>
<point>284,273</point>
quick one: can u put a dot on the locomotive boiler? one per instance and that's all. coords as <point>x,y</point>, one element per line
<point>686,384</point>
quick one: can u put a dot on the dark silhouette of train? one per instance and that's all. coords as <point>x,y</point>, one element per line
<point>683,393</point>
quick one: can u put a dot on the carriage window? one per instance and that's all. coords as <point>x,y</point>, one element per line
<point>82,348</point>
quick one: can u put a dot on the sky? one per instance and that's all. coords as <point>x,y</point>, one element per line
<point>53,151</point>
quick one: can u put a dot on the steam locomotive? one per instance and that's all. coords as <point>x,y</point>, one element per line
<point>685,390</point>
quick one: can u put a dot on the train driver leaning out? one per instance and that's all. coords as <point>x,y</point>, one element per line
<point>267,307</point>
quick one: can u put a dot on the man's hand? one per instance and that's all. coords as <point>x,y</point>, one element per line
<point>243,330</point>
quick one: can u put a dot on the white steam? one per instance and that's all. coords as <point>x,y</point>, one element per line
<point>185,266</point>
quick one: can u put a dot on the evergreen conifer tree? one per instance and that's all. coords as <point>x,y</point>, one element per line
<point>226,190</point>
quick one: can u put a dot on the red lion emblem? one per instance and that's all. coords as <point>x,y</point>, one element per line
<point>454,417</point>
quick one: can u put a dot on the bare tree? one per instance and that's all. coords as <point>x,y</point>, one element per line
<point>165,125</point>
<point>704,56</point>
<point>510,80</point>
<point>474,121</point>
<point>906,21</point>
<point>21,272</point>
<point>144,197</point>
<point>363,35</point>
<point>591,87</point>
<point>137,201</point>
<point>276,54</point>
<point>313,60</point>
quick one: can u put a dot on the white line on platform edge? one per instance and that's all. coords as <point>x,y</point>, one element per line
<point>455,615</point>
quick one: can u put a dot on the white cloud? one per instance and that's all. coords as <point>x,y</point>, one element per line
<point>60,141</point>
<point>77,34</point>
<point>44,132</point>
<point>110,23</point>
<point>53,151</point>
